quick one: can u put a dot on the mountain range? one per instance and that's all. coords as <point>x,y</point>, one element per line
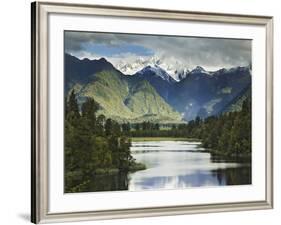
<point>175,69</point>
<point>152,94</point>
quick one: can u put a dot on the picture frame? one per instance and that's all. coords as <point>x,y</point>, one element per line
<point>42,191</point>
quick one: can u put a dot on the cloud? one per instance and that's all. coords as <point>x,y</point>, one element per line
<point>189,51</point>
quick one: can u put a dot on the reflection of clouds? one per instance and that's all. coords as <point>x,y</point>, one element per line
<point>174,164</point>
<point>171,170</point>
<point>198,179</point>
<point>207,52</point>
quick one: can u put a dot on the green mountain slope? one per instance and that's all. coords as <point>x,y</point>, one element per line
<point>123,99</point>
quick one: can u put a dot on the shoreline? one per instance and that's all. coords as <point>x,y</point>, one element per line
<point>214,153</point>
<point>135,166</point>
<point>140,139</point>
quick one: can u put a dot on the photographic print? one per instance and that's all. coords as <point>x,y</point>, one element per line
<point>154,112</point>
<point>139,112</point>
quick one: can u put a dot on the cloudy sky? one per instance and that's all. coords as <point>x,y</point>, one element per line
<point>210,53</point>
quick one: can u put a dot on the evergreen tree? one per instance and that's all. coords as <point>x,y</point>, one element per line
<point>126,127</point>
<point>72,105</point>
<point>89,109</point>
<point>72,109</point>
<point>137,127</point>
<point>108,127</point>
<point>100,125</point>
<point>92,144</point>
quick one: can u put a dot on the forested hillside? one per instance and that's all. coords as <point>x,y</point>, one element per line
<point>93,145</point>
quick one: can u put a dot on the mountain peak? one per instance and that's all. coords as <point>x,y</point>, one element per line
<point>103,60</point>
<point>156,70</point>
<point>149,67</point>
<point>132,66</point>
<point>198,69</point>
<point>86,60</point>
<point>82,71</point>
<point>233,70</point>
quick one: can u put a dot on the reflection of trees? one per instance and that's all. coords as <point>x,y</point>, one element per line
<point>233,176</point>
<point>220,176</point>
<point>108,183</point>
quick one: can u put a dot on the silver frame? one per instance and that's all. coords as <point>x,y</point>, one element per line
<point>39,167</point>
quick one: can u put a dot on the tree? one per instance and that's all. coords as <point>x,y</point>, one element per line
<point>89,109</point>
<point>137,127</point>
<point>157,126</point>
<point>72,110</point>
<point>116,129</point>
<point>124,156</point>
<point>108,127</point>
<point>197,121</point>
<point>126,127</point>
<point>92,144</point>
<point>100,125</point>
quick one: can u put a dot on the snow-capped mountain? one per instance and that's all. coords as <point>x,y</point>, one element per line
<point>130,68</point>
<point>196,93</point>
<point>175,70</point>
<point>158,78</point>
<point>182,73</point>
<point>158,71</point>
<point>199,70</point>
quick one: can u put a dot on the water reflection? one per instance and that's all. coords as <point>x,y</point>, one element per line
<point>173,165</point>
<point>182,164</point>
<point>108,183</point>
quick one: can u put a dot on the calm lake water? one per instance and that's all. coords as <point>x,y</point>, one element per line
<point>173,165</point>
<point>182,164</point>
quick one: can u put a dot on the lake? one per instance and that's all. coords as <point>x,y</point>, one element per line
<point>182,164</point>
<point>173,165</point>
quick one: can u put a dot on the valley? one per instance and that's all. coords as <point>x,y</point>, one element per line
<point>122,131</point>
<point>151,94</point>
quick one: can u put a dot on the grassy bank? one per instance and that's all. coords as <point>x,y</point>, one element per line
<point>112,171</point>
<point>139,139</point>
<point>137,166</point>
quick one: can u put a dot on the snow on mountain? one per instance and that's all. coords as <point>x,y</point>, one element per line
<point>158,71</point>
<point>132,67</point>
<point>175,70</point>
<point>199,69</point>
<point>182,73</point>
